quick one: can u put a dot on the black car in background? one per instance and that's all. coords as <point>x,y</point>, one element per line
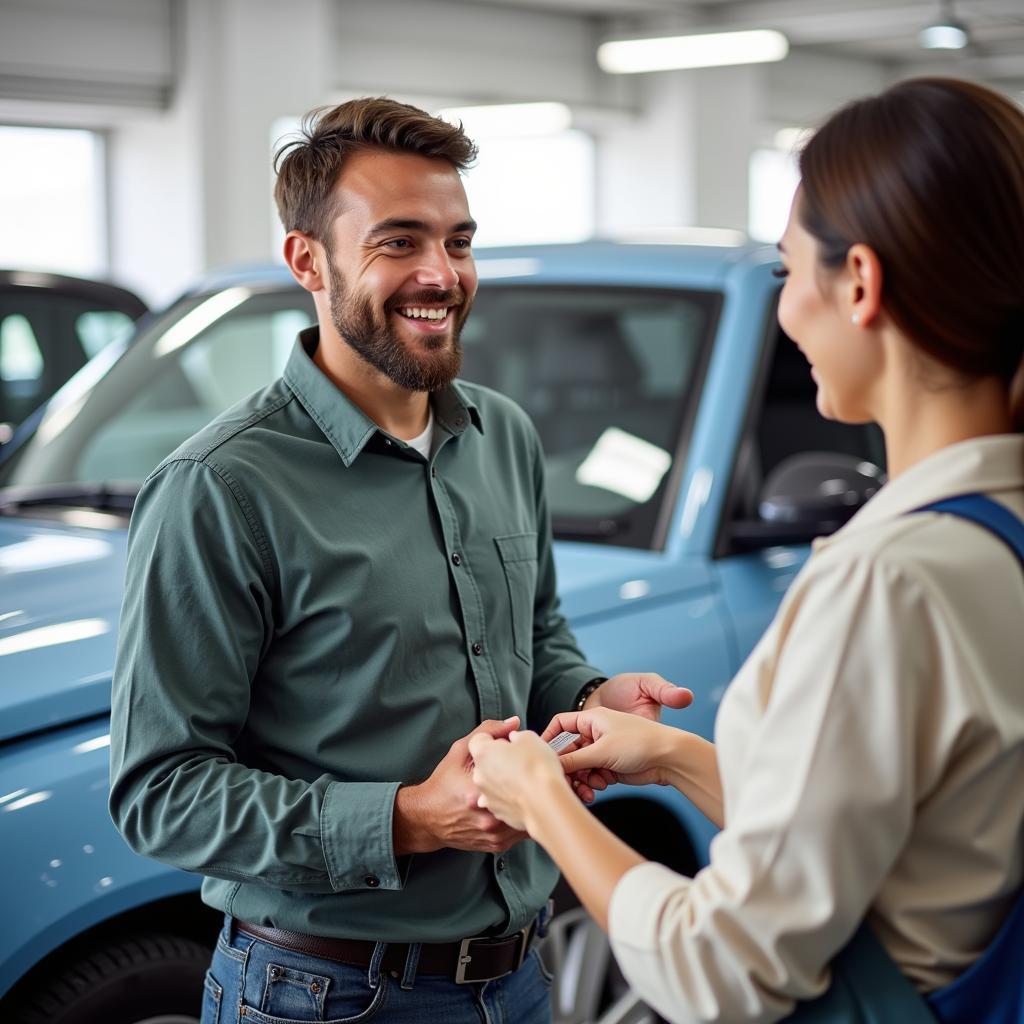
<point>51,325</point>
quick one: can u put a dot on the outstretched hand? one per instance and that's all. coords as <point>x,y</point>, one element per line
<point>639,693</point>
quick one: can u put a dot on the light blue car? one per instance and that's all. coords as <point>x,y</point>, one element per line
<point>687,471</point>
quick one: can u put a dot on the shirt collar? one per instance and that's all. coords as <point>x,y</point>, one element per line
<point>982,464</point>
<point>345,425</point>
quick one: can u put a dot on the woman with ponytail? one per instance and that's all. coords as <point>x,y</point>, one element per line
<point>868,769</point>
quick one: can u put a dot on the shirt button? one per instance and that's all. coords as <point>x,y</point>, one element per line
<point>372,881</point>
<point>456,559</point>
<point>501,864</point>
<point>459,421</point>
<point>433,472</point>
<point>478,648</point>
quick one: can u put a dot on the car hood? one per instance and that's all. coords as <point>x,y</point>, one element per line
<point>60,597</point>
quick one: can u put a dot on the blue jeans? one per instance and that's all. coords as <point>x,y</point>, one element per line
<point>254,982</point>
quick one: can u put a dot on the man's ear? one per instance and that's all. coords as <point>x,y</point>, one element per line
<point>864,284</point>
<point>307,260</point>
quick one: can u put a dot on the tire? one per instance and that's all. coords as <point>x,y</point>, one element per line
<point>148,978</point>
<point>588,987</point>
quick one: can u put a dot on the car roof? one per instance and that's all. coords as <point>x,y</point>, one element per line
<point>599,260</point>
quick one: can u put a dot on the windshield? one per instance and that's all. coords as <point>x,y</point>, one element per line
<point>608,376</point>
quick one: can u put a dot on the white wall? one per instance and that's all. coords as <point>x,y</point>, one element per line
<point>197,85</point>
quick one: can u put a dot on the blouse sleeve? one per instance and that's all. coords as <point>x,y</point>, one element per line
<point>825,806</point>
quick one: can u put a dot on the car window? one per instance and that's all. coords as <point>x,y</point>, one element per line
<point>235,356</point>
<point>59,329</point>
<point>21,370</point>
<point>785,421</point>
<point>99,327</point>
<point>608,376</point>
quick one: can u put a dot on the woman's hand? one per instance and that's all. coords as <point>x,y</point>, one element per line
<point>511,774</point>
<point>613,747</point>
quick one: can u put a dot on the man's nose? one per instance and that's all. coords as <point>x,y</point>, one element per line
<point>435,268</point>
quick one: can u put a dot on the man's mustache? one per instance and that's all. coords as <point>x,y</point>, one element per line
<point>451,297</point>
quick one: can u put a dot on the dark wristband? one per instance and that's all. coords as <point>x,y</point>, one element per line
<point>586,691</point>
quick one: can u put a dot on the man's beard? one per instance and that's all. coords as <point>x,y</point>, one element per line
<point>372,335</point>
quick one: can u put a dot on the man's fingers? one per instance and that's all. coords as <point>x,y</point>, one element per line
<point>498,730</point>
<point>665,693</point>
<point>564,722</point>
<point>479,742</point>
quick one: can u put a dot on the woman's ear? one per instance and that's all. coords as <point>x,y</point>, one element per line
<point>864,284</point>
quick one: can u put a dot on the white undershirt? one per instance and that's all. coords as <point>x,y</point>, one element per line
<point>422,442</point>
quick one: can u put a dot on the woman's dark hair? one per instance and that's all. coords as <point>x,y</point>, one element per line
<point>930,175</point>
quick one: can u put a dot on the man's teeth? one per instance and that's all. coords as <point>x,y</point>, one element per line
<point>417,313</point>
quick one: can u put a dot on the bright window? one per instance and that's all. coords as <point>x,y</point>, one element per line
<point>773,178</point>
<point>533,189</point>
<point>20,358</point>
<point>52,200</point>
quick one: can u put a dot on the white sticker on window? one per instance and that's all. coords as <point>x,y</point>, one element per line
<point>624,464</point>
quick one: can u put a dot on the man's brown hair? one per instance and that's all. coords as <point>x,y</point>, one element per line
<point>308,167</point>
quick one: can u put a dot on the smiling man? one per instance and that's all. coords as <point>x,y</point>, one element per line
<point>329,590</point>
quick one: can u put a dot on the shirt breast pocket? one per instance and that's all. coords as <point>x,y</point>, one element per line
<point>518,553</point>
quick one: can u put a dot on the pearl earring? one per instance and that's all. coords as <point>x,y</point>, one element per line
<point>855,319</point>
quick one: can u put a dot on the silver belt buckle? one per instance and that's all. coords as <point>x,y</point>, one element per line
<point>466,958</point>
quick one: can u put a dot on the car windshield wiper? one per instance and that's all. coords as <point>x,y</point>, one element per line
<point>106,497</point>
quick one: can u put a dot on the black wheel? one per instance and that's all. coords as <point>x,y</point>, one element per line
<point>148,978</point>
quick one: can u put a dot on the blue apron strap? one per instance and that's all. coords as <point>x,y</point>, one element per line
<point>982,510</point>
<point>991,990</point>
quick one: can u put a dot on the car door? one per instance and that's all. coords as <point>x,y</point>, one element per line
<point>782,421</point>
<point>50,326</point>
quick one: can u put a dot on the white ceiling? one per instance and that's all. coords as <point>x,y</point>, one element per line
<point>870,29</point>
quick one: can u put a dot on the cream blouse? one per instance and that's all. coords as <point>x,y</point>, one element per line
<point>871,752</point>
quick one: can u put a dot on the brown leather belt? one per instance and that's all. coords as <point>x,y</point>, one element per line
<point>471,960</point>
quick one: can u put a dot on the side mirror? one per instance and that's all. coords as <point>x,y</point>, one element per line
<point>809,495</point>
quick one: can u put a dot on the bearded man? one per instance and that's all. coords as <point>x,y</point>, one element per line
<point>330,589</point>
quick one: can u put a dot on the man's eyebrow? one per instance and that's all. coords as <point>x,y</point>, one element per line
<point>405,224</point>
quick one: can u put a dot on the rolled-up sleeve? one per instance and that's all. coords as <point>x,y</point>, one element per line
<point>825,806</point>
<point>196,619</point>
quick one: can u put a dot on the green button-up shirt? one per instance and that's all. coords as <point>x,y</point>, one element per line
<point>313,614</point>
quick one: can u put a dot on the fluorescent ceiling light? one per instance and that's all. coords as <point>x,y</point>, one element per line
<point>951,36</point>
<point>669,53</point>
<point>511,120</point>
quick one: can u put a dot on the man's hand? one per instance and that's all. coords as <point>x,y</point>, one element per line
<point>643,694</point>
<point>639,693</point>
<point>512,775</point>
<point>442,812</point>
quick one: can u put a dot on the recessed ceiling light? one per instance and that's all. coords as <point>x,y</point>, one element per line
<point>948,33</point>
